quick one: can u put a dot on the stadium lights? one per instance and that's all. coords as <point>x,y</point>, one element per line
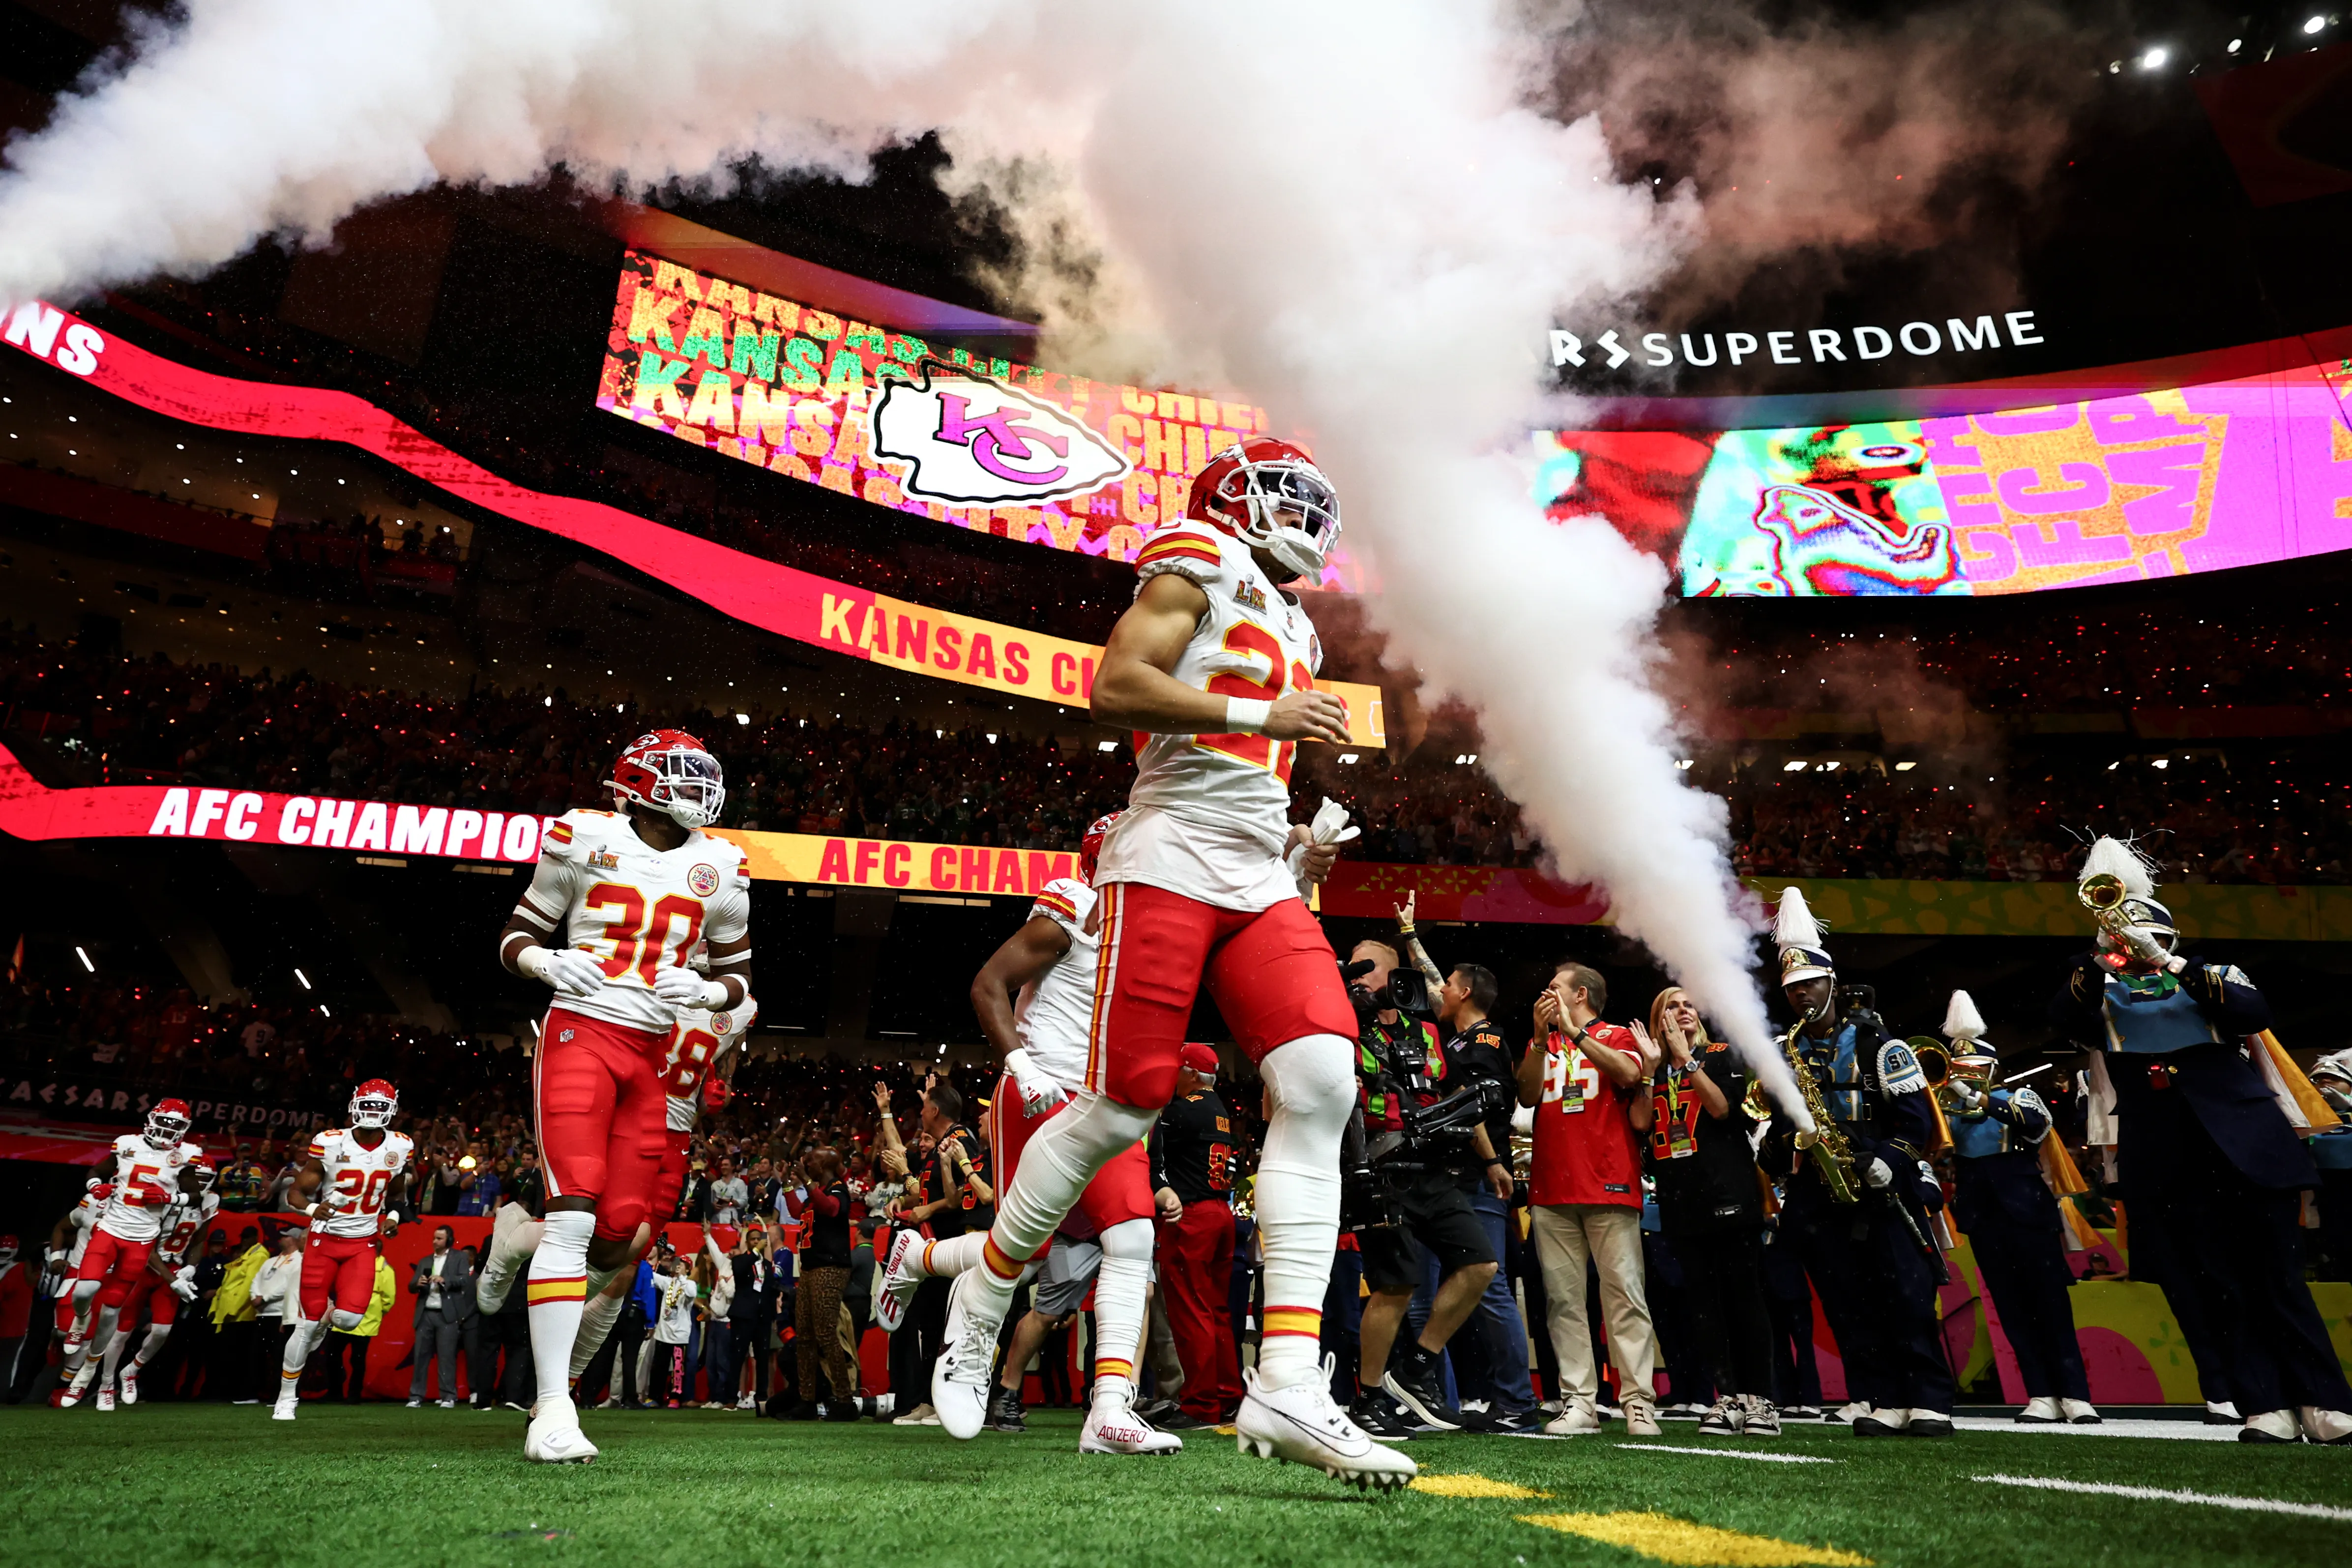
<point>2154,59</point>
<point>1792,767</point>
<point>305,980</point>
<point>85,964</point>
<point>2159,762</point>
<point>2315,25</point>
<point>2236,44</point>
<point>1905,767</point>
<point>992,736</point>
<point>1347,759</point>
<point>1683,764</point>
<point>742,718</point>
<point>1110,745</point>
<point>1828,767</point>
<point>322,1011</point>
<point>2113,766</point>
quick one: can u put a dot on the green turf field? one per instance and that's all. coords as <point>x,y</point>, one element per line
<point>178,1486</point>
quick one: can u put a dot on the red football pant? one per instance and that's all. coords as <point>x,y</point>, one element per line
<point>1121,1190</point>
<point>671,1180</point>
<point>120,1264</point>
<point>602,1116</point>
<point>162,1303</point>
<point>338,1270</point>
<point>1196,1277</point>
<point>1271,971</point>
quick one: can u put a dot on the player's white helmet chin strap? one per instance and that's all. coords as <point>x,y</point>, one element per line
<point>1281,497</point>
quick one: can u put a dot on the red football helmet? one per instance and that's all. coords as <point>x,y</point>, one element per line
<point>374,1103</point>
<point>201,1177</point>
<point>1090,847</point>
<point>1269,495</point>
<point>670,772</point>
<point>167,1124</point>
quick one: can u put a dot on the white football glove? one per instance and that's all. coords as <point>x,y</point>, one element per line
<point>1329,827</point>
<point>1039,1093</point>
<point>685,988</point>
<point>183,1283</point>
<point>1878,1174</point>
<point>572,972</point>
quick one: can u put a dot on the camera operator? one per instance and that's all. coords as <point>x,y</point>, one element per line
<point>1490,1365</point>
<point>1407,1188</point>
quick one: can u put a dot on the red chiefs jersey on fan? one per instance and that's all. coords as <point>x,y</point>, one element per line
<point>141,1170</point>
<point>1208,814</point>
<point>635,909</point>
<point>696,1043</point>
<point>356,1180</point>
<point>1586,1150</point>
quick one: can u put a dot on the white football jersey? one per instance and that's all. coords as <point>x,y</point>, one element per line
<point>138,1162</point>
<point>697,1041</point>
<point>183,1222</point>
<point>1055,1012</point>
<point>637,910</point>
<point>81,1222</point>
<point>1208,814</point>
<point>357,1178</point>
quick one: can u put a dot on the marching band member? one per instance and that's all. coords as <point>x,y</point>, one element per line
<point>2207,1157</point>
<point>1861,1233</point>
<point>2007,1210</point>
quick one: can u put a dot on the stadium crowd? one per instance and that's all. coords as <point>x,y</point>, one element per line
<point>2241,816</point>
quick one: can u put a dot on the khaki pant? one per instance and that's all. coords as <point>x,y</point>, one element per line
<point>1611,1235</point>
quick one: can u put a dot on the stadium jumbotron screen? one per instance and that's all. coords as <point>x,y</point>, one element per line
<point>2111,489</point>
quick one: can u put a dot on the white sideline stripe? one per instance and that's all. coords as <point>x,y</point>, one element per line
<point>2114,1426</point>
<point>1731,1454</point>
<point>2164,1494</point>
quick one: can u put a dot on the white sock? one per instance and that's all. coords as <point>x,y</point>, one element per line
<point>109,1356</point>
<point>1122,1291</point>
<point>596,1321</point>
<point>1311,1085</point>
<point>558,1290</point>
<point>94,1338</point>
<point>946,1259</point>
<point>1056,1167</point>
<point>156,1334</point>
<point>298,1345</point>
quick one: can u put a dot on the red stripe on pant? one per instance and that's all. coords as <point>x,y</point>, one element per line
<point>1196,1272</point>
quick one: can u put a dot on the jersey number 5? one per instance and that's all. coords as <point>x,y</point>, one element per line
<point>1258,751</point>
<point>642,940</point>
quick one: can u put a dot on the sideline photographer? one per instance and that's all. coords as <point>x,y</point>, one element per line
<point>1404,1186</point>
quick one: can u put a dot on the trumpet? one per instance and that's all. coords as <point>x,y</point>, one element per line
<point>1946,1072</point>
<point>2103,895</point>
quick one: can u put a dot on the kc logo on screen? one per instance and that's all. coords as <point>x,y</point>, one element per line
<point>969,439</point>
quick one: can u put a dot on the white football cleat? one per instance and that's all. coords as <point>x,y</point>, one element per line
<point>960,1383</point>
<point>514,1237</point>
<point>1114,1427</point>
<point>78,1386</point>
<point>130,1385</point>
<point>290,1402</point>
<point>1300,1425</point>
<point>897,1283</point>
<point>105,1397</point>
<point>555,1439</point>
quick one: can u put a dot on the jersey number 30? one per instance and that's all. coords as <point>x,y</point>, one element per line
<point>1258,751</point>
<point>642,940</point>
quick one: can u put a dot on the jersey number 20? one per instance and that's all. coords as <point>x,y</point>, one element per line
<point>1258,751</point>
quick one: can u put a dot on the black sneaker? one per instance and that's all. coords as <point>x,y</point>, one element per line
<point>1378,1417</point>
<point>1801,1413</point>
<point>1157,1411</point>
<point>842,1410</point>
<point>1495,1423</point>
<point>1411,1381</point>
<point>805,1411</point>
<point>1004,1412</point>
<point>1173,1419</point>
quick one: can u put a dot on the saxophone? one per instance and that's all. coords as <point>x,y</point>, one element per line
<point>1831,1156</point>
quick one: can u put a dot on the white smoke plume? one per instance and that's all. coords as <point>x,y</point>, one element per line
<point>1348,214</point>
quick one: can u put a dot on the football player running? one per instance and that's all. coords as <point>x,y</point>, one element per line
<point>1199,881</point>
<point>1042,1039</point>
<point>342,1186</point>
<point>145,1179</point>
<point>633,892</point>
<point>171,1280</point>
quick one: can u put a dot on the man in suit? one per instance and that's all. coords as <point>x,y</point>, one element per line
<point>2208,1158</point>
<point>443,1285</point>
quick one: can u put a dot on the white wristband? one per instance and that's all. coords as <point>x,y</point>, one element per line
<point>532,962</point>
<point>1247,715</point>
